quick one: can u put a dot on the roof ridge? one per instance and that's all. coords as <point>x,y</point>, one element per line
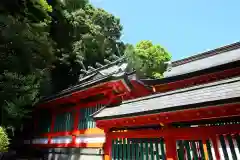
<point>106,66</point>
<point>207,54</point>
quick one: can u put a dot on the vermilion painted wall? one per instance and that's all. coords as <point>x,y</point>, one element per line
<point>114,91</point>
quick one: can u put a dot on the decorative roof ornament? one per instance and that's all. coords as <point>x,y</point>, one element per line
<point>83,66</point>
<point>116,63</point>
<point>84,71</point>
<point>169,65</point>
<point>99,65</point>
<point>107,61</point>
<point>90,68</point>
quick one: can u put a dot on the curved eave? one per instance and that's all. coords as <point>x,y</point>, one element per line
<point>193,97</point>
<point>208,53</point>
<point>68,92</point>
<point>105,86</point>
<point>209,112</point>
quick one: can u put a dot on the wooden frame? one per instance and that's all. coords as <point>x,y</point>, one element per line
<point>171,135</point>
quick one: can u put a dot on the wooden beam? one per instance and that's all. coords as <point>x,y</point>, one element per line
<point>184,115</point>
<point>179,133</point>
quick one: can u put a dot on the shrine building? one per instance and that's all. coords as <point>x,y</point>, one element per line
<point>191,113</point>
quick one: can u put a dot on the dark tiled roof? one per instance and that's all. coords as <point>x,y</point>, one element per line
<point>166,80</point>
<point>221,90</point>
<point>206,54</point>
<point>120,60</point>
<point>209,59</point>
<point>78,87</point>
<point>109,72</point>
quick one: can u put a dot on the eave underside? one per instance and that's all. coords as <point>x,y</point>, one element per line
<point>207,113</point>
<point>192,97</point>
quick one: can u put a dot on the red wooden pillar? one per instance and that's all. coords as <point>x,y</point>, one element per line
<point>52,122</point>
<point>75,124</point>
<point>107,146</point>
<point>76,113</point>
<point>52,126</point>
<point>171,148</point>
<point>215,146</point>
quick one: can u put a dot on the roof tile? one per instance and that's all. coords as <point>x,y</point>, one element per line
<point>221,90</point>
<point>205,63</point>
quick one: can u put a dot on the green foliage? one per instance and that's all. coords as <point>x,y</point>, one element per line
<point>45,5</point>
<point>88,35</point>
<point>4,141</point>
<point>26,51</point>
<point>18,95</point>
<point>73,5</point>
<point>147,59</point>
<point>47,43</point>
<point>24,46</point>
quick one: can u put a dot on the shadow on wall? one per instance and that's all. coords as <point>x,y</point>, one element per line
<point>53,156</point>
<point>11,155</point>
<point>74,154</point>
<point>57,154</point>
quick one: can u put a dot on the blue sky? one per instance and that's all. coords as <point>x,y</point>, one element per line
<point>183,27</point>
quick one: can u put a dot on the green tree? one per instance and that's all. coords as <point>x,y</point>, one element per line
<point>88,35</point>
<point>4,141</point>
<point>18,95</point>
<point>147,59</point>
<point>44,43</point>
<point>26,51</point>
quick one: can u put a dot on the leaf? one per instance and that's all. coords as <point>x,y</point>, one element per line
<point>4,141</point>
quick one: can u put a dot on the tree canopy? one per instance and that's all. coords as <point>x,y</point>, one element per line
<point>88,35</point>
<point>26,51</point>
<point>147,59</point>
<point>46,45</point>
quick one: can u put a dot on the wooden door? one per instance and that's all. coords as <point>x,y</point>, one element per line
<point>138,149</point>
